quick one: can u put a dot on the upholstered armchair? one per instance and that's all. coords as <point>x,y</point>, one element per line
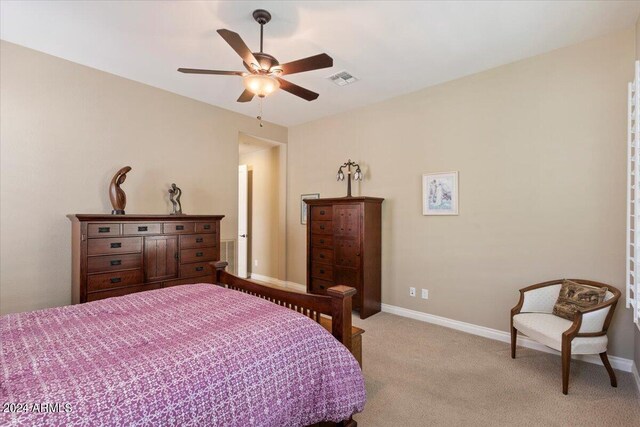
<point>586,334</point>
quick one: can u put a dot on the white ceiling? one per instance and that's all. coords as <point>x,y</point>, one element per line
<point>393,47</point>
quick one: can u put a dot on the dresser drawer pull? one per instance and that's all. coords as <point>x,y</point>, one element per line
<point>199,253</point>
<point>199,268</point>
<point>179,227</point>
<point>321,286</point>
<point>116,245</point>
<point>199,240</point>
<point>322,256</point>
<point>321,226</point>
<point>104,229</point>
<point>322,212</point>
<point>207,227</point>
<point>322,241</point>
<point>116,280</point>
<point>145,228</point>
<point>321,271</point>
<point>116,262</point>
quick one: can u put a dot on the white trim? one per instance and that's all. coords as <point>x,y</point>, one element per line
<point>283,283</point>
<point>619,363</point>
<point>636,375</point>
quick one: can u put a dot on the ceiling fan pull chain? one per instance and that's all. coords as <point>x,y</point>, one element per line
<point>260,116</point>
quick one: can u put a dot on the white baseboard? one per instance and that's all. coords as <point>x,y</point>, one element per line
<point>285,284</point>
<point>636,376</point>
<point>619,363</point>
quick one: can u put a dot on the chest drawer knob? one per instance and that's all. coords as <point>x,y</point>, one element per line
<point>116,245</point>
<point>199,268</point>
<point>321,271</point>
<point>104,229</point>
<point>143,228</point>
<point>321,286</point>
<point>179,227</point>
<point>321,226</point>
<point>322,256</point>
<point>199,240</point>
<point>207,227</point>
<point>199,254</point>
<point>322,241</point>
<point>116,262</point>
<point>322,212</point>
<point>116,280</point>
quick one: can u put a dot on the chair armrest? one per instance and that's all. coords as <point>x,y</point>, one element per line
<point>538,298</point>
<point>594,318</point>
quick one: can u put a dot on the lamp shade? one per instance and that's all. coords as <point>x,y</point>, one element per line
<point>261,84</point>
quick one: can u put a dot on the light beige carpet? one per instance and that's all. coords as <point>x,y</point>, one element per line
<point>418,374</point>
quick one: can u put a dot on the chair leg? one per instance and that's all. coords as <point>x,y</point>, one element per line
<point>514,337</point>
<point>566,365</point>
<point>612,374</point>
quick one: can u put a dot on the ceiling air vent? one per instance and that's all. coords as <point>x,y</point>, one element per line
<point>342,78</point>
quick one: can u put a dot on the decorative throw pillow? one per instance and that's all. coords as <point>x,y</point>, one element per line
<point>575,296</point>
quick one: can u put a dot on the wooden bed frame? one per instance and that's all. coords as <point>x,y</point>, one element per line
<point>337,305</point>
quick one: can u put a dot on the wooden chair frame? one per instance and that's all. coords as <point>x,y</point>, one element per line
<point>573,331</point>
<point>337,305</point>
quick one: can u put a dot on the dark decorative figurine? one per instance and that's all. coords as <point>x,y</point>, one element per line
<point>174,195</point>
<point>116,194</point>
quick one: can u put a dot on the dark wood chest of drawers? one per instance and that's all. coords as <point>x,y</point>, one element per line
<point>343,248</point>
<point>115,255</point>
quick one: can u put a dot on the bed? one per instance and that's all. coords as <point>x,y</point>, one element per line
<point>237,354</point>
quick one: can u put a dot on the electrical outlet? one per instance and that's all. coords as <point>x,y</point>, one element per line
<point>412,292</point>
<point>425,294</point>
<point>255,262</point>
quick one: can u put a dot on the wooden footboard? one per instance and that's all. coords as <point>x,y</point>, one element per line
<point>337,304</point>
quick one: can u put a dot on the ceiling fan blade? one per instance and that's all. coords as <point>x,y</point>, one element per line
<point>198,71</point>
<point>307,64</point>
<point>297,90</point>
<point>246,96</point>
<point>237,44</point>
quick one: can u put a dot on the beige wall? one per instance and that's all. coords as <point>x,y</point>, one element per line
<point>267,199</point>
<point>65,130</point>
<point>540,148</point>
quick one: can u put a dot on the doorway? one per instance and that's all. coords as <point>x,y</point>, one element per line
<point>262,209</point>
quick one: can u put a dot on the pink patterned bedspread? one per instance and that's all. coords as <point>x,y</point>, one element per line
<point>186,355</point>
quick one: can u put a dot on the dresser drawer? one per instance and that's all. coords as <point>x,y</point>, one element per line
<point>198,241</point>
<point>321,227</point>
<point>94,296</point>
<point>116,279</point>
<point>322,255</point>
<point>195,270</point>
<point>320,286</point>
<point>114,245</point>
<point>321,271</point>
<point>141,229</point>
<point>103,230</point>
<point>179,227</point>
<point>323,213</point>
<point>99,264</point>
<point>206,227</point>
<point>188,281</point>
<point>321,241</point>
<point>198,255</point>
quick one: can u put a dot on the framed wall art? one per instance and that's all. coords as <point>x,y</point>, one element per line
<point>303,205</point>
<point>440,193</point>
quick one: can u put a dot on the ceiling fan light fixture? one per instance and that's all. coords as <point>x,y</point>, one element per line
<point>261,84</point>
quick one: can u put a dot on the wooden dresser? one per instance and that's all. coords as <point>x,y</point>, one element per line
<point>343,248</point>
<point>115,255</point>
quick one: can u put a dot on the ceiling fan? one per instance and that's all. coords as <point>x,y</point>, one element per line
<point>264,71</point>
